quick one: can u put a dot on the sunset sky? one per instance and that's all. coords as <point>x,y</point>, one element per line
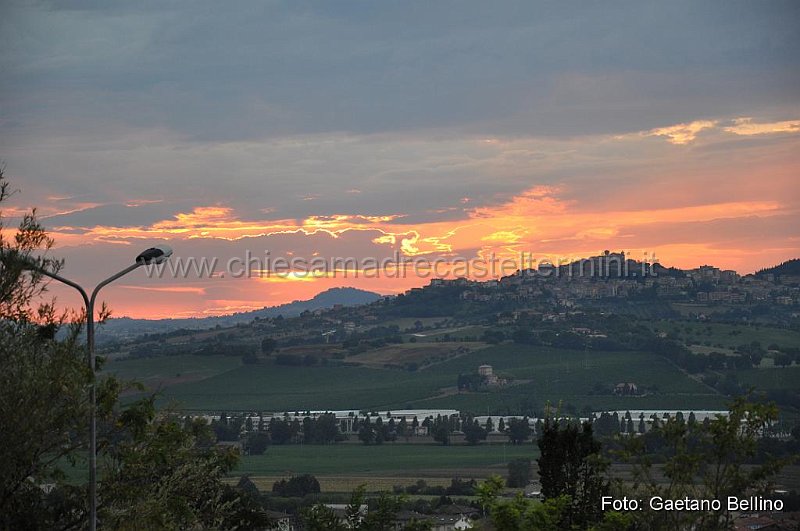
<point>431,129</point>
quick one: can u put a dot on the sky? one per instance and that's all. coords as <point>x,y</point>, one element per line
<point>425,130</point>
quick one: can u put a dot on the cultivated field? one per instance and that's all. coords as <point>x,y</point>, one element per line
<point>166,371</point>
<point>728,335</point>
<point>551,375</point>
<point>419,353</point>
<point>457,333</point>
<point>395,460</point>
<point>347,484</point>
<point>771,378</point>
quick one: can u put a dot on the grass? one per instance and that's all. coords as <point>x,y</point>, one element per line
<point>410,460</point>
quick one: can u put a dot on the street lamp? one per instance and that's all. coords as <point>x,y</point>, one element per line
<point>154,255</point>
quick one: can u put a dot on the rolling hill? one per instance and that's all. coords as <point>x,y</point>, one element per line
<point>127,327</point>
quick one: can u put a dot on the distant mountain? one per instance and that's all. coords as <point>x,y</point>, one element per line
<point>127,327</point>
<point>325,299</point>
<point>789,267</point>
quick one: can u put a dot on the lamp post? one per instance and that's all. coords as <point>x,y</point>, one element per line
<point>154,255</point>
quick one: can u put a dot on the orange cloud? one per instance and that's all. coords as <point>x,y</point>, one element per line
<point>681,134</point>
<point>746,126</point>
<point>707,205</point>
<point>221,222</point>
<point>533,219</point>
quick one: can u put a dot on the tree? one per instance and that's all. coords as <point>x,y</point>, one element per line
<point>418,525</point>
<point>225,430</point>
<point>23,254</point>
<point>473,432</point>
<point>441,430</point>
<point>319,517</point>
<point>521,514</point>
<point>459,487</point>
<point>606,425</point>
<point>325,429</point>
<point>402,428</point>
<point>160,472</point>
<point>44,407</point>
<point>501,425</point>
<point>366,433</point>
<point>380,431</point>
<point>268,346</point>
<point>519,473</point>
<point>354,512</point>
<point>518,430</point>
<point>281,431</point>
<point>488,491</point>
<point>296,486</point>
<point>247,485</point>
<point>710,460</point>
<point>162,475</point>
<point>382,515</point>
<point>44,415</point>
<point>257,443</point>
<point>570,464</point>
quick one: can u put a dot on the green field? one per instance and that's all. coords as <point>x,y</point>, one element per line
<point>538,375</point>
<point>729,335</point>
<point>396,459</point>
<point>456,333</point>
<point>563,375</point>
<point>347,465</point>
<point>167,371</point>
<point>408,323</point>
<point>347,484</point>
<point>773,378</point>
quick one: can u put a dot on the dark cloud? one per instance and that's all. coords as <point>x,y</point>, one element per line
<point>119,215</point>
<point>214,73</point>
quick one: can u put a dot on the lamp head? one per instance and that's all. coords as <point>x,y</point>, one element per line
<point>154,255</point>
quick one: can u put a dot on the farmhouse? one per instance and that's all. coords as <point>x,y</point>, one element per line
<point>490,379</point>
<point>487,373</point>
